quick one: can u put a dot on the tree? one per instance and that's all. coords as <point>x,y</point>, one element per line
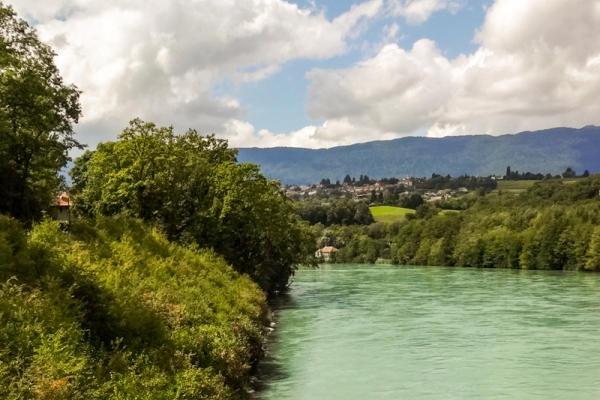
<point>586,174</point>
<point>37,113</point>
<point>191,186</point>
<point>413,201</point>
<point>569,173</point>
<point>347,179</point>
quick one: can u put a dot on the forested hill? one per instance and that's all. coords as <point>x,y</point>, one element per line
<point>547,151</point>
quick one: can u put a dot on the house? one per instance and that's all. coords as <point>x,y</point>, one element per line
<point>326,252</point>
<point>62,207</point>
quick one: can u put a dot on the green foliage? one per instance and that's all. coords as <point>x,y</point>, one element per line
<point>342,212</point>
<point>411,201</point>
<point>37,113</point>
<point>191,187</point>
<point>112,309</point>
<point>550,226</point>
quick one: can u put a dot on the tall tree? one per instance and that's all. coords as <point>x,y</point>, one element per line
<point>37,113</point>
<point>192,187</point>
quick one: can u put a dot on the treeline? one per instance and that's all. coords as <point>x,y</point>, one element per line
<point>439,182</point>
<point>530,176</point>
<point>552,226</point>
<point>396,197</point>
<point>341,212</point>
<point>157,288</point>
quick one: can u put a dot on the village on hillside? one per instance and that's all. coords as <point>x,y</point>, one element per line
<point>365,189</point>
<point>434,188</point>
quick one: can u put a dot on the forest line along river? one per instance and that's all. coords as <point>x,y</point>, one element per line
<point>393,332</point>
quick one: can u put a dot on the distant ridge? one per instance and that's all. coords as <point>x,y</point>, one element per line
<point>545,151</point>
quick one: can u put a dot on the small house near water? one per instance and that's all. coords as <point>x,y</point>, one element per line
<point>326,252</point>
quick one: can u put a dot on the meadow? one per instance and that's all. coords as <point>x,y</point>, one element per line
<point>515,186</point>
<point>521,186</point>
<point>389,214</point>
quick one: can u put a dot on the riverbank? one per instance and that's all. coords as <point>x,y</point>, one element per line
<point>112,309</point>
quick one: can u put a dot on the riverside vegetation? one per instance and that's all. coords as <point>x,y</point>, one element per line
<point>158,289</point>
<point>550,225</point>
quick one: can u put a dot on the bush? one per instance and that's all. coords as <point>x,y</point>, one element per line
<point>112,309</point>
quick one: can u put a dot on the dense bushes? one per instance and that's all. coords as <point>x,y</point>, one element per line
<point>112,309</point>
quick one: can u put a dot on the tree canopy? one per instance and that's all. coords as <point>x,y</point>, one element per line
<point>37,113</point>
<point>191,186</point>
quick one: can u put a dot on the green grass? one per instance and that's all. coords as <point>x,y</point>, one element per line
<point>515,186</point>
<point>521,186</point>
<point>389,214</point>
<point>111,309</point>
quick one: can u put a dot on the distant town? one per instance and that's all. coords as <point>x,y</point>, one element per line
<point>434,188</point>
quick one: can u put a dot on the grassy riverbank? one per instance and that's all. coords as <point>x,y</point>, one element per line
<point>112,309</point>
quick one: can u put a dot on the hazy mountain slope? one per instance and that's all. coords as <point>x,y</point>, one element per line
<point>551,150</point>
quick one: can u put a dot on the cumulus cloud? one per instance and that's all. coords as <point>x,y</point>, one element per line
<point>160,60</point>
<point>538,66</point>
<point>243,134</point>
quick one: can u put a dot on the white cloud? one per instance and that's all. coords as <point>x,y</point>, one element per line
<point>537,67</point>
<point>160,60</point>
<point>417,11</point>
<point>243,134</point>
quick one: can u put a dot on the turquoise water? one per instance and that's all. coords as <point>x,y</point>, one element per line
<point>389,332</point>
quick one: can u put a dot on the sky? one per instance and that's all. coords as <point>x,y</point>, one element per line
<point>323,73</point>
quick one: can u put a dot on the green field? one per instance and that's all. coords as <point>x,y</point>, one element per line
<point>389,214</point>
<point>521,186</point>
<point>515,186</point>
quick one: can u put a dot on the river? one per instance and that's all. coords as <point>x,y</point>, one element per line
<point>389,332</point>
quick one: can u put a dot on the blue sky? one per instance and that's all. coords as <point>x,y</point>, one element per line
<point>323,73</point>
<point>278,103</point>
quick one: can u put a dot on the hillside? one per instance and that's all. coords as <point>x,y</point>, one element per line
<point>546,151</point>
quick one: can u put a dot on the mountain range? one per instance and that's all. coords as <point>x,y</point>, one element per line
<point>545,151</point>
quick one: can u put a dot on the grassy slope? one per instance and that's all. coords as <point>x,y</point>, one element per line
<point>389,214</point>
<point>113,310</point>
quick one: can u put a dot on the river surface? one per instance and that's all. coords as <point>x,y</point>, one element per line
<point>388,332</point>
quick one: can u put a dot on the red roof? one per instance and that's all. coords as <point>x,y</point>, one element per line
<point>329,249</point>
<point>63,200</point>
